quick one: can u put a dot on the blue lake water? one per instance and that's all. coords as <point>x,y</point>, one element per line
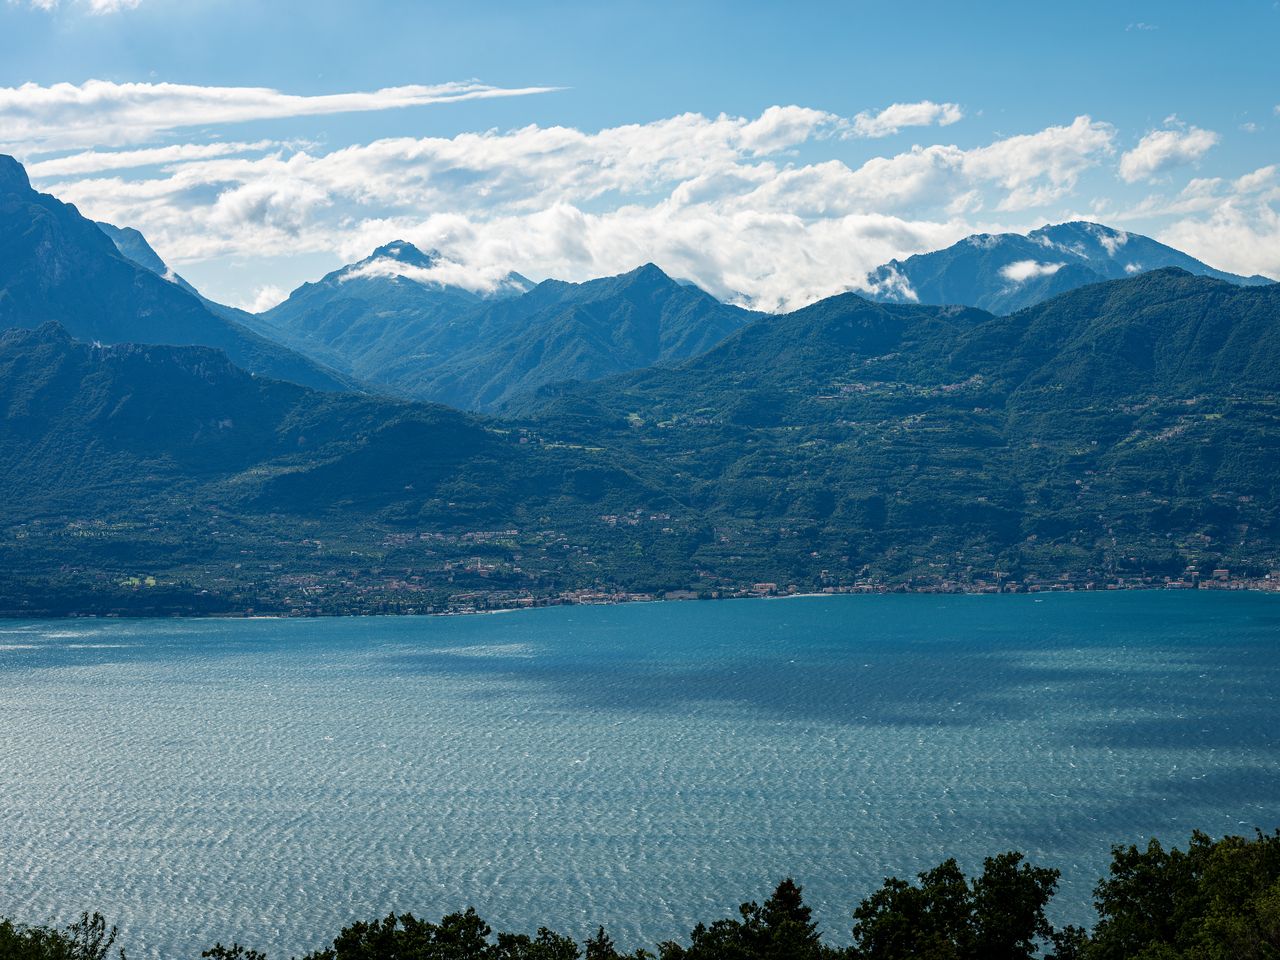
<point>643,766</point>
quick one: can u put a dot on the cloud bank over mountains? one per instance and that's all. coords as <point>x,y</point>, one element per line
<point>774,210</point>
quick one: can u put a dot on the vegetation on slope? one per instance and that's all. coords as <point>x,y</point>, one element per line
<point>217,491</point>
<point>1122,429</point>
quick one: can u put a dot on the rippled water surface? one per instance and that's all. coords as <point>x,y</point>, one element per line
<point>643,766</point>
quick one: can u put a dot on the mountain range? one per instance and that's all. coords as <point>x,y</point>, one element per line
<point>391,322</point>
<point>57,265</point>
<point>652,439</point>
<point>1127,426</point>
<point>385,320</point>
<point>364,316</point>
<point>1006,272</point>
<point>400,322</point>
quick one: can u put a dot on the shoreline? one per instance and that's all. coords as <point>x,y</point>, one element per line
<point>579,599</point>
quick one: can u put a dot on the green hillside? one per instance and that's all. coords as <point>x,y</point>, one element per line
<point>1122,429</point>
<point>123,464</point>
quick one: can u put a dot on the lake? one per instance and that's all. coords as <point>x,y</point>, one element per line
<point>642,766</point>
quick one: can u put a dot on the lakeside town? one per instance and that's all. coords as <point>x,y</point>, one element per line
<point>311,596</point>
<point>1220,579</point>
<point>500,569</point>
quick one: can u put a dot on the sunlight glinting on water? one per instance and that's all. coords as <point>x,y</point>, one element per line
<point>641,766</point>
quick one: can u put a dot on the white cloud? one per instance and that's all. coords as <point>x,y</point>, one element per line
<point>893,284</point>
<point>1243,238</point>
<point>1259,179</point>
<point>278,204</point>
<point>898,115</point>
<point>96,161</point>
<point>1111,240</point>
<point>1028,171</point>
<point>721,200</point>
<point>1229,223</point>
<point>781,127</point>
<point>97,7</point>
<point>1233,225</point>
<point>1162,150</point>
<point>263,299</point>
<point>480,278</point>
<point>1041,167</point>
<point>102,112</point>
<point>1023,270</point>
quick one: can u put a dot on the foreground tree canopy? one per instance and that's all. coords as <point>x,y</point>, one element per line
<point>1217,900</point>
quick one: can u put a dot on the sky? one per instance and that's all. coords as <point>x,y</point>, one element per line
<point>773,153</point>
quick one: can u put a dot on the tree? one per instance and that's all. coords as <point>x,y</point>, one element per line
<point>788,923</point>
<point>600,946</point>
<point>86,939</point>
<point>233,952</point>
<point>1218,900</point>
<point>1140,904</point>
<point>458,936</point>
<point>998,916</point>
<point>1009,901</point>
<point>462,936</point>
<point>547,945</point>
<point>781,929</point>
<point>1069,943</point>
<point>931,921</point>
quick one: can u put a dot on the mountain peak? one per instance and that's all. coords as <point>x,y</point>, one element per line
<point>132,244</point>
<point>649,273</point>
<point>403,251</point>
<point>13,176</point>
<point>1006,272</point>
<point>1079,226</point>
<point>48,332</point>
<point>58,264</point>
<point>1080,230</point>
<point>1173,273</point>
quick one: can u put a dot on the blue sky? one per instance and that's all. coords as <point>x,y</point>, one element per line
<point>1157,117</point>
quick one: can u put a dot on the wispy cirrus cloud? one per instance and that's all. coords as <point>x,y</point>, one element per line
<point>894,117</point>
<point>111,6</point>
<point>104,113</point>
<point>98,161</point>
<point>96,7</point>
